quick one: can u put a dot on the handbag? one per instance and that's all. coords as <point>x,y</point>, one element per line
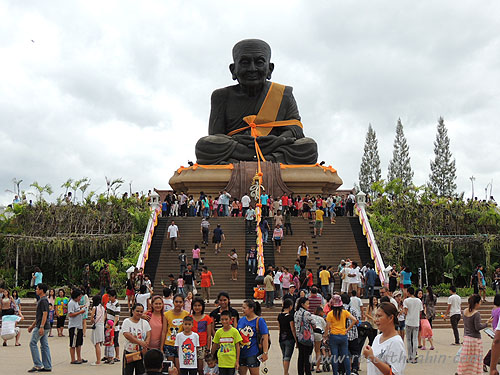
<point>133,357</point>
<point>32,283</point>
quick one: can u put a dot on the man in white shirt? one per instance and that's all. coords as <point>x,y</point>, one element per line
<point>224,202</point>
<point>277,283</point>
<point>173,234</point>
<point>353,277</point>
<point>183,198</point>
<point>245,203</point>
<point>249,219</point>
<point>357,304</point>
<point>344,271</point>
<point>113,313</point>
<point>412,307</point>
<point>454,312</point>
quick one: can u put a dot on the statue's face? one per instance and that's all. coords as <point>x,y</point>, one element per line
<point>251,65</point>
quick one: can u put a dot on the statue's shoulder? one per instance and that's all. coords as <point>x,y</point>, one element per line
<point>224,92</point>
<point>288,91</point>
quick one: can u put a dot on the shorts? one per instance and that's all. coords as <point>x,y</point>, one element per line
<point>60,321</point>
<point>318,224</point>
<point>10,336</point>
<point>401,325</point>
<point>116,344</point>
<point>109,351</point>
<point>251,361</point>
<point>75,337</point>
<point>170,351</point>
<point>201,352</point>
<point>130,292</point>
<point>287,347</point>
<point>234,266</point>
<point>482,287</point>
<point>277,242</point>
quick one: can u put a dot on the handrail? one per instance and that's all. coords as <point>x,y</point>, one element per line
<point>370,239</point>
<point>148,236</point>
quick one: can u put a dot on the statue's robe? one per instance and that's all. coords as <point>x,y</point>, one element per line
<point>285,144</point>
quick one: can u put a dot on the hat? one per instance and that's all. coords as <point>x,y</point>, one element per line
<point>336,301</point>
<point>397,293</point>
<point>110,322</point>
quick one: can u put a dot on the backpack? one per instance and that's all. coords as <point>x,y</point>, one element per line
<point>259,338</point>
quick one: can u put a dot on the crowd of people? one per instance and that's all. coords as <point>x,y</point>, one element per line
<point>180,204</point>
<point>314,319</point>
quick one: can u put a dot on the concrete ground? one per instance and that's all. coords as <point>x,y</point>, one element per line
<point>17,360</point>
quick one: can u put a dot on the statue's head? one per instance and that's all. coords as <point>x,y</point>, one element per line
<point>252,64</point>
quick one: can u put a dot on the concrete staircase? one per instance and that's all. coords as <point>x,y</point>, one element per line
<point>189,235</point>
<point>342,240</point>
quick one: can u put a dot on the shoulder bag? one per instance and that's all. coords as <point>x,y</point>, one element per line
<point>260,339</point>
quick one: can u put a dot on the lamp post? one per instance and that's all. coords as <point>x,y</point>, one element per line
<point>361,199</point>
<point>155,200</point>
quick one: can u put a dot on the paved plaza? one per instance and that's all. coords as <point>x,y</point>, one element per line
<point>17,360</point>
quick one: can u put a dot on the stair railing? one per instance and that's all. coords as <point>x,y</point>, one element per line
<point>372,244</point>
<point>148,237</point>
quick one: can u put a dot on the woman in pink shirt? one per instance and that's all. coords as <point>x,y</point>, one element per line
<point>286,280</point>
<point>196,257</point>
<point>158,323</point>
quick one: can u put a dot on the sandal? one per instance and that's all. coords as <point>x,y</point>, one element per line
<point>432,348</point>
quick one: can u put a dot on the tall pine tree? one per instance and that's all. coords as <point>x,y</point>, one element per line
<point>369,171</point>
<point>443,171</point>
<point>399,166</point>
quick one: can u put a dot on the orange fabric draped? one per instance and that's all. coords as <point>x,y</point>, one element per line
<point>196,166</point>
<point>287,166</point>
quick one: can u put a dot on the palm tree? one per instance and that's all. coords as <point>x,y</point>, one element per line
<point>17,187</point>
<point>113,185</point>
<point>41,189</point>
<point>84,186</point>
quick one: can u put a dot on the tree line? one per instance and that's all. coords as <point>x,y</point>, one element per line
<point>443,171</point>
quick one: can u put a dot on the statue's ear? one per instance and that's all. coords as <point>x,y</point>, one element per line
<point>271,68</point>
<point>232,70</point>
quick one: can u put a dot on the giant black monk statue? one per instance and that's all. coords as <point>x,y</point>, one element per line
<point>284,141</point>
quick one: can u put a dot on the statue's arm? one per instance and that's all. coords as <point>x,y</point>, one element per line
<point>217,123</point>
<point>292,112</point>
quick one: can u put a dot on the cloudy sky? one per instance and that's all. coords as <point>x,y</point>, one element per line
<point>122,88</point>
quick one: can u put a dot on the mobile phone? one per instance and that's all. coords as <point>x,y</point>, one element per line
<point>166,365</point>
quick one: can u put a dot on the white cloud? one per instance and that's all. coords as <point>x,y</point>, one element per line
<point>122,88</point>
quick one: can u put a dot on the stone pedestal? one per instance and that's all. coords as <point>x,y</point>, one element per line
<point>236,179</point>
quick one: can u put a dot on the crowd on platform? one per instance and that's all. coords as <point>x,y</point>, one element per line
<point>180,204</point>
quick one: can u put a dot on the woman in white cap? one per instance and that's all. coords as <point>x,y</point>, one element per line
<point>336,327</point>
